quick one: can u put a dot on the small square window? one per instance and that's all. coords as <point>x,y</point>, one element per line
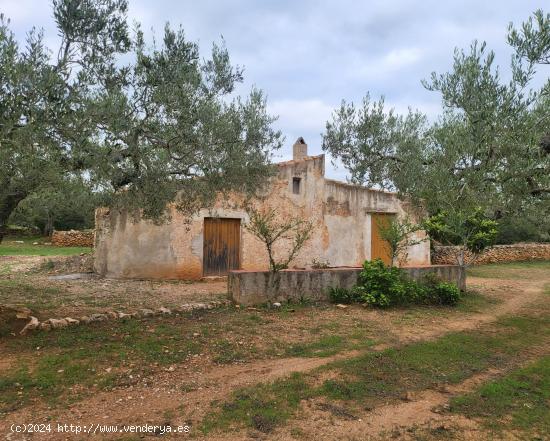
<point>296,185</point>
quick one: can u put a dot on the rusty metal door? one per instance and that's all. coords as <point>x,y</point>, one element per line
<point>379,247</point>
<point>221,249</point>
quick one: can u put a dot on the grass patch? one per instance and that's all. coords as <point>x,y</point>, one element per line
<point>163,343</point>
<point>81,355</point>
<point>520,400</point>
<point>262,407</point>
<point>329,345</point>
<point>139,345</point>
<point>225,351</point>
<point>389,374</point>
<point>450,359</point>
<point>474,301</point>
<point>23,246</point>
<point>30,295</point>
<point>324,347</point>
<point>373,378</point>
<point>513,270</point>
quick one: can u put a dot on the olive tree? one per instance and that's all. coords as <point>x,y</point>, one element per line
<point>470,231</point>
<point>172,133</point>
<point>151,124</point>
<point>487,149</point>
<point>44,121</point>
<point>399,236</point>
<point>267,226</point>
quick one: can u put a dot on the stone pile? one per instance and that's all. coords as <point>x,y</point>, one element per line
<point>73,238</point>
<point>13,318</point>
<point>446,255</point>
<point>59,323</point>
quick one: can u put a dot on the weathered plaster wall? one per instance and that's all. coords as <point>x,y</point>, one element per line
<point>339,212</point>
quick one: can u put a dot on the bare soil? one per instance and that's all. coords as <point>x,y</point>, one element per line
<point>74,298</point>
<point>183,394</point>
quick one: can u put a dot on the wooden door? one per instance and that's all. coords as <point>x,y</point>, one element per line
<point>379,247</point>
<point>221,249</point>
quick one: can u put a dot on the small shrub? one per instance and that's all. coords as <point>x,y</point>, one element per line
<point>382,286</point>
<point>447,293</point>
<point>438,292</point>
<point>379,285</point>
<point>343,295</point>
<point>430,280</point>
<point>48,265</point>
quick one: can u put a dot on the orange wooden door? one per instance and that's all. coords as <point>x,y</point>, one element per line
<point>379,247</point>
<point>221,249</point>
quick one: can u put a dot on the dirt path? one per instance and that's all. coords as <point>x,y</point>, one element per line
<point>425,409</point>
<point>515,295</point>
<point>185,394</point>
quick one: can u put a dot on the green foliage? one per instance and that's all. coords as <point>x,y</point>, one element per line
<point>149,125</point>
<point>382,286</point>
<point>69,206</point>
<point>472,230</point>
<point>343,295</point>
<point>518,400</point>
<point>398,234</point>
<point>378,285</point>
<point>532,41</point>
<point>488,148</point>
<point>443,294</point>
<point>45,129</point>
<point>529,227</point>
<point>266,226</point>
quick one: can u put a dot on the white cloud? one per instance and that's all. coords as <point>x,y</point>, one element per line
<point>307,114</point>
<point>26,11</point>
<point>399,58</point>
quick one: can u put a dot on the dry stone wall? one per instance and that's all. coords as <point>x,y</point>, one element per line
<point>446,255</point>
<point>22,314</point>
<point>73,238</point>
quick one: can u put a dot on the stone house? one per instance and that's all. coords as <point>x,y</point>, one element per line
<point>346,222</point>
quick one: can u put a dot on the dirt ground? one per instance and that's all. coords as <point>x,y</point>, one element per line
<point>183,394</point>
<point>50,297</point>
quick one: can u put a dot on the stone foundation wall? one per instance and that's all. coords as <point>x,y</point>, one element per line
<point>73,238</point>
<point>446,255</point>
<point>258,287</point>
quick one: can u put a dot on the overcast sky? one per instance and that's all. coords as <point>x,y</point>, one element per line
<point>309,55</point>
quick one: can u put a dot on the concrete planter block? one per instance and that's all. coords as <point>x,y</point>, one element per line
<point>256,287</point>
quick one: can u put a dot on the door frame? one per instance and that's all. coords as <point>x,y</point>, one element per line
<point>240,247</point>
<point>372,216</point>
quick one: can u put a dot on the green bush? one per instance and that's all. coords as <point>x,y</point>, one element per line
<point>343,295</point>
<point>447,294</point>
<point>437,292</point>
<point>382,286</point>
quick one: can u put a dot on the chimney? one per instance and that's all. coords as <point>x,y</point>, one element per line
<point>299,149</point>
